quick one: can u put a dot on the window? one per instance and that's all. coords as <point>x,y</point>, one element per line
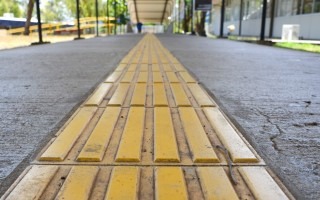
<point>285,7</point>
<point>316,6</point>
<point>307,6</point>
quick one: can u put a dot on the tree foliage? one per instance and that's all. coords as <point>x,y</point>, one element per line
<point>10,6</point>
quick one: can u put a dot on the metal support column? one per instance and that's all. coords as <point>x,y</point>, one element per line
<point>78,20</point>
<point>222,17</point>
<point>97,19</point>
<point>39,21</point>
<point>192,10</point>
<point>240,17</point>
<point>263,20</point>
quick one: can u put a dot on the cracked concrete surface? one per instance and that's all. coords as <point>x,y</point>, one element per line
<point>40,86</point>
<point>272,94</point>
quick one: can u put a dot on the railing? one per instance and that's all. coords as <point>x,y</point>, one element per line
<point>52,28</point>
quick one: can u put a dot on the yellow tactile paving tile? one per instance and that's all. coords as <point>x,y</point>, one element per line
<point>64,142</point>
<point>261,184</point>
<point>119,95</point>
<point>96,145</point>
<point>131,140</point>
<point>98,95</point>
<point>124,183</point>
<point>157,77</point>
<point>187,77</point>
<point>144,68</point>
<point>166,67</point>
<point>113,77</point>
<point>200,95</point>
<point>139,95</point>
<point>121,67</point>
<point>132,67</point>
<point>238,149</point>
<point>143,77</point>
<point>201,148</point>
<point>33,183</point>
<point>127,78</point>
<point>143,183</point>
<point>220,188</point>
<point>159,95</point>
<point>179,94</point>
<point>172,77</point>
<point>170,184</point>
<point>155,68</point>
<point>165,144</point>
<point>80,190</point>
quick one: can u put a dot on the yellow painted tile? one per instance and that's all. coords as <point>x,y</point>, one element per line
<point>165,144</point>
<point>172,77</point>
<point>215,183</point>
<point>143,77</point>
<point>136,58</point>
<point>96,145</point>
<point>155,68</point>
<point>121,67</point>
<point>132,67</point>
<point>200,146</point>
<point>139,95</point>
<point>33,183</point>
<point>159,95</point>
<point>145,60</point>
<point>113,77</point>
<point>157,77</point>
<point>59,149</point>
<point>99,94</point>
<point>144,68</point>
<point>124,183</point>
<point>170,184</point>
<point>239,151</point>
<point>131,141</point>
<point>200,95</point>
<point>261,183</point>
<point>167,68</point>
<point>187,77</point>
<point>164,60</point>
<point>119,95</point>
<point>154,60</point>
<point>78,183</point>
<point>128,77</point>
<point>179,94</point>
<point>179,67</point>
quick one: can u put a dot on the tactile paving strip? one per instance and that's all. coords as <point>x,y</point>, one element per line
<point>132,182</point>
<point>150,131</point>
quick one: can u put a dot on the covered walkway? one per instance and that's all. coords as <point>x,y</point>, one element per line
<point>163,120</point>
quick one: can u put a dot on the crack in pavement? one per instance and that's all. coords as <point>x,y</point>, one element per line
<point>275,136</point>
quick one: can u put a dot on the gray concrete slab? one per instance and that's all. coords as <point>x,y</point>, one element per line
<point>40,86</point>
<point>272,94</point>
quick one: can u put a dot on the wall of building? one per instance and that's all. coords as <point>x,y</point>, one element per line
<point>251,25</point>
<point>309,25</point>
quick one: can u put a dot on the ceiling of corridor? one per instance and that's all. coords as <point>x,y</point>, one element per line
<point>153,11</point>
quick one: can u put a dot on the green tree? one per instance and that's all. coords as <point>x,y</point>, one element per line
<point>54,10</point>
<point>10,6</point>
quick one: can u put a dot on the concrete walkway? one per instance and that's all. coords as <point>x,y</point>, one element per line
<point>272,94</point>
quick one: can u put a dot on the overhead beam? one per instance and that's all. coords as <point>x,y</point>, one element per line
<point>164,11</point>
<point>135,8</point>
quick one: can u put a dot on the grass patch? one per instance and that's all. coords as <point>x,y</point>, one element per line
<point>299,46</point>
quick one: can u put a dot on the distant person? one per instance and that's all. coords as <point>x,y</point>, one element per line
<point>139,27</point>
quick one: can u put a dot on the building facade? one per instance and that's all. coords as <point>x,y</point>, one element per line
<point>246,17</point>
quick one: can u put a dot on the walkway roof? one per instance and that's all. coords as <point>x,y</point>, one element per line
<point>150,11</point>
